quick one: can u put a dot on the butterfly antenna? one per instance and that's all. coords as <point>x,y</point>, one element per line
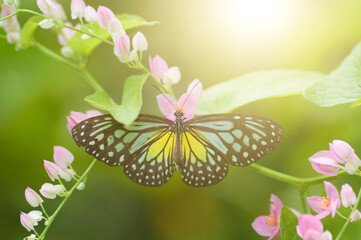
<point>189,94</point>
<point>165,96</point>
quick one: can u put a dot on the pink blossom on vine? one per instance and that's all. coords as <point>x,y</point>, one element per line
<point>77,117</point>
<point>10,24</point>
<point>158,67</point>
<point>52,169</point>
<point>345,154</point>
<point>62,157</point>
<point>77,9</point>
<point>355,216</point>
<point>50,191</point>
<point>90,14</point>
<point>104,16</point>
<point>187,103</point>
<point>27,221</point>
<point>32,197</point>
<point>52,9</point>
<point>268,226</point>
<point>325,206</point>
<point>122,48</point>
<point>46,5</point>
<point>115,29</point>
<point>140,42</point>
<point>325,162</point>
<point>310,228</point>
<point>13,37</point>
<point>348,196</point>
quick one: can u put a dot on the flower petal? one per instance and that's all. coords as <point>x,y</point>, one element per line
<point>196,89</point>
<point>314,202</point>
<point>188,103</point>
<point>62,156</point>
<point>263,229</point>
<point>276,205</point>
<point>332,194</point>
<point>167,104</point>
<point>307,222</point>
<point>158,67</point>
<point>348,196</point>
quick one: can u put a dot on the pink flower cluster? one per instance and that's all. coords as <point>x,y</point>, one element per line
<point>309,226</point>
<point>340,156</point>
<point>10,25</point>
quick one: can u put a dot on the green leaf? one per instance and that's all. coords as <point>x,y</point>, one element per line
<point>28,31</point>
<point>86,46</point>
<point>100,100</point>
<point>342,85</point>
<point>132,102</point>
<point>288,223</point>
<point>229,95</point>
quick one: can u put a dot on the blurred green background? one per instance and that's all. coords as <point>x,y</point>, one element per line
<point>213,40</point>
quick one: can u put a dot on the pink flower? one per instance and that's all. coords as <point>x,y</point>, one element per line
<point>344,153</point>
<point>158,67</point>
<point>90,14</point>
<point>172,76</point>
<point>355,216</point>
<point>140,42</point>
<point>77,9</point>
<point>348,196</point>
<point>77,117</point>
<point>187,103</point>
<point>268,226</point>
<point>122,48</point>
<point>115,29</point>
<point>10,24</point>
<point>104,16</point>
<point>32,197</point>
<point>50,191</point>
<point>62,157</point>
<point>310,228</point>
<point>52,169</point>
<point>27,221</point>
<point>52,8</point>
<point>325,162</point>
<point>325,205</point>
<point>46,5</point>
<point>13,37</point>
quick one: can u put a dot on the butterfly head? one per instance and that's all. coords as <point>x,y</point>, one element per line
<point>179,114</point>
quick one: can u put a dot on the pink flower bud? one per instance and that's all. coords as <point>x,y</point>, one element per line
<point>77,117</point>
<point>62,157</point>
<point>52,169</point>
<point>77,9</point>
<point>50,191</point>
<point>104,16</point>
<point>342,150</point>
<point>122,48</point>
<point>46,5</point>
<point>324,162</point>
<point>32,197</point>
<point>140,42</point>
<point>36,215</point>
<point>58,13</point>
<point>310,227</point>
<point>13,37</point>
<point>90,14</point>
<point>356,215</point>
<point>27,221</point>
<point>115,28</point>
<point>172,76</point>
<point>158,67</point>
<point>352,164</point>
<point>348,196</point>
<point>67,174</point>
<point>10,24</point>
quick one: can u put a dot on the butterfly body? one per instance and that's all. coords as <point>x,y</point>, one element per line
<point>200,148</point>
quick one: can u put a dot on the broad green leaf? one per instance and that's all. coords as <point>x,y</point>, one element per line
<point>100,100</point>
<point>132,101</point>
<point>86,46</point>
<point>229,95</point>
<point>288,223</point>
<point>28,31</point>
<point>343,85</point>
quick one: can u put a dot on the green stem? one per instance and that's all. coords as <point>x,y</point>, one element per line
<point>60,24</point>
<point>46,214</point>
<point>303,194</point>
<point>51,219</point>
<point>291,179</point>
<point>349,217</point>
<point>8,16</point>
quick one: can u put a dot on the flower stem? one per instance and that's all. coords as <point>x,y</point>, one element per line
<point>303,194</point>
<point>42,208</point>
<point>291,179</point>
<point>52,217</point>
<point>349,217</point>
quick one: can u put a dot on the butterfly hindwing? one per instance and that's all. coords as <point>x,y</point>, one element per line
<point>240,139</point>
<point>114,144</point>
<point>200,165</point>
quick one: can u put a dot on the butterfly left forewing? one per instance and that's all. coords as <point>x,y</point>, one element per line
<point>240,139</point>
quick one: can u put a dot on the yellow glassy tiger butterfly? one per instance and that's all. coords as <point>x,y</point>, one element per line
<point>201,148</point>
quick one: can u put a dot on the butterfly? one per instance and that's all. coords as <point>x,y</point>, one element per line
<point>201,148</point>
